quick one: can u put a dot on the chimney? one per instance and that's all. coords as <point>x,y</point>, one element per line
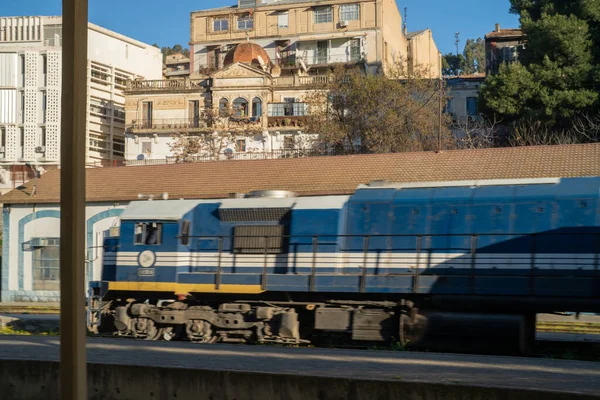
<point>497,27</point>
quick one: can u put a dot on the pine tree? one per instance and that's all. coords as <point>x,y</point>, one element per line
<point>560,71</point>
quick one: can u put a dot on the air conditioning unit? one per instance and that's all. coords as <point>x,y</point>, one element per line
<point>344,23</point>
<point>2,149</point>
<point>40,149</point>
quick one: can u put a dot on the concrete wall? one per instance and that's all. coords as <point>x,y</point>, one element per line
<point>21,379</point>
<point>394,43</point>
<point>425,55</point>
<point>21,223</point>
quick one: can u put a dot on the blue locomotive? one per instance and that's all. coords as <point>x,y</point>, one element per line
<point>391,261</point>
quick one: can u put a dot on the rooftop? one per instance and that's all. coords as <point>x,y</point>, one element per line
<point>505,33</point>
<point>411,35</point>
<point>318,175</point>
<point>260,4</point>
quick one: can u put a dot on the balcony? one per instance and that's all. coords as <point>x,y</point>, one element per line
<point>168,125</point>
<point>166,85</point>
<point>204,123</point>
<point>298,81</point>
<point>287,115</point>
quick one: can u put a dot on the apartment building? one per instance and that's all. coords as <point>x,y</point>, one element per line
<point>308,34</point>
<point>503,46</point>
<point>30,85</point>
<point>263,58</point>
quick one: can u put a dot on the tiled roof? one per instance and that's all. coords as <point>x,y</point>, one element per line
<point>320,175</point>
<point>411,35</point>
<point>505,33</point>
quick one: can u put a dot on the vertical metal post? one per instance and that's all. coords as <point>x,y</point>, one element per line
<point>264,274</point>
<point>473,261</point>
<point>440,116</point>
<point>313,271</point>
<point>73,369</point>
<point>218,277</point>
<point>416,277</point>
<point>596,283</point>
<point>532,265</point>
<point>363,279</point>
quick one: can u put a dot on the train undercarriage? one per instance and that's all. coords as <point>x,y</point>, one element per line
<point>338,322</point>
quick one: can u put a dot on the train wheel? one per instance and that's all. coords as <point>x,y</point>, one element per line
<point>200,332</point>
<point>153,333</point>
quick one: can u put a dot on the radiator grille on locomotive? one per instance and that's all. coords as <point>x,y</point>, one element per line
<point>253,214</point>
<point>258,239</point>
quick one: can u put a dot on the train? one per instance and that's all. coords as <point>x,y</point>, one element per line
<point>391,262</point>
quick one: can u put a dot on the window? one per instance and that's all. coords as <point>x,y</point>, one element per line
<point>185,232</point>
<point>240,106</point>
<point>147,114</point>
<point>349,12</point>
<point>147,148</point>
<point>221,25</point>
<point>22,142</point>
<point>472,106</point>
<point>46,264</point>
<point>3,140</point>
<point>42,138</point>
<point>240,145</point>
<point>288,109</point>
<point>223,106</point>
<point>355,50</point>
<point>322,52</point>
<point>23,107</point>
<point>45,70</point>
<point>283,20</point>
<point>289,142</point>
<point>245,22</point>
<point>256,107</point>
<point>323,15</point>
<point>44,106</point>
<point>194,113</point>
<point>148,233</point>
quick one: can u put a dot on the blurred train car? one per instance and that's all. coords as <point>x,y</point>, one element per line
<point>392,262</point>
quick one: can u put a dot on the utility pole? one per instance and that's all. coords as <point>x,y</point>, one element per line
<point>440,122</point>
<point>457,42</point>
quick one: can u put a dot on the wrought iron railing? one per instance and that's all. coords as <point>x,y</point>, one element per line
<point>166,84</point>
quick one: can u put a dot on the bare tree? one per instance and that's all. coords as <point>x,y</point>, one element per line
<point>476,132</point>
<point>356,111</point>
<point>224,128</point>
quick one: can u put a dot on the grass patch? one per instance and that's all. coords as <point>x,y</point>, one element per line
<point>7,330</point>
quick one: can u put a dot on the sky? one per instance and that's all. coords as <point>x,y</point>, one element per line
<point>167,22</point>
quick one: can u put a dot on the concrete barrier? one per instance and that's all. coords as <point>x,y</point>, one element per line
<point>27,380</point>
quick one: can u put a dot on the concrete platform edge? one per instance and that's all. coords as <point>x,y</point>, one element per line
<point>25,379</point>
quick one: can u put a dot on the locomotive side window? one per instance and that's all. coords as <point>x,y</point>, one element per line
<point>185,233</point>
<point>148,233</point>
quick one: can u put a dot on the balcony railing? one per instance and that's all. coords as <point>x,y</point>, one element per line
<point>166,85</point>
<point>290,121</point>
<point>294,80</point>
<point>168,124</point>
<point>204,122</point>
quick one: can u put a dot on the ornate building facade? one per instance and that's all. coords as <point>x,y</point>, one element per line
<point>262,58</point>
